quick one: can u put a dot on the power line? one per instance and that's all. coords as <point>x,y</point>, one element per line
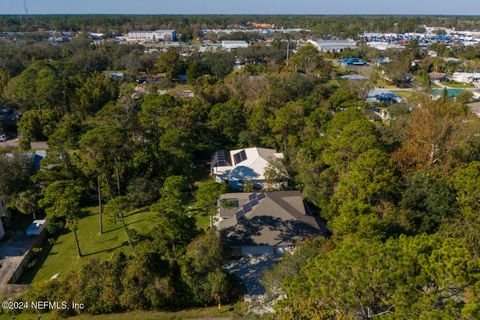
<point>25,7</point>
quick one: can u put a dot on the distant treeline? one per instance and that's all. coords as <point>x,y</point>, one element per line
<point>346,26</point>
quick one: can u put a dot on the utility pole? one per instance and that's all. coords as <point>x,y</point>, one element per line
<point>25,9</point>
<point>288,51</point>
<point>100,204</point>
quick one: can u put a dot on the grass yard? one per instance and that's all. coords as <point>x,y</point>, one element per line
<point>227,311</point>
<point>61,257</point>
<point>458,85</point>
<point>403,93</point>
<point>382,83</point>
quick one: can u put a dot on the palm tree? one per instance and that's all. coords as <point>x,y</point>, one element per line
<point>26,203</point>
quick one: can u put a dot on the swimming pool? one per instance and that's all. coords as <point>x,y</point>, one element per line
<point>452,93</point>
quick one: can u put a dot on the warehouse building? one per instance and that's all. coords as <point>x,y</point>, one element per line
<point>152,36</point>
<point>333,45</point>
<point>229,45</point>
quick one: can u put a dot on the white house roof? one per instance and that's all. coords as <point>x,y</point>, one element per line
<point>256,160</point>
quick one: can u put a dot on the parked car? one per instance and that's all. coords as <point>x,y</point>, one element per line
<point>3,137</point>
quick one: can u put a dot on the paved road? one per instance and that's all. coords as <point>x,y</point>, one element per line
<point>40,145</point>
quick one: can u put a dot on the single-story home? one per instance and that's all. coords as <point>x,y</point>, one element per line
<point>354,77</point>
<point>466,77</point>
<point>437,77</point>
<point>266,222</point>
<point>475,108</point>
<point>353,62</point>
<point>383,96</point>
<point>247,165</point>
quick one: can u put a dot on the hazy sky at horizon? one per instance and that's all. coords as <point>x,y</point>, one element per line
<point>468,7</point>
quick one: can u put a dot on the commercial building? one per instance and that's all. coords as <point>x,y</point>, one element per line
<point>333,45</point>
<point>234,44</point>
<point>152,36</point>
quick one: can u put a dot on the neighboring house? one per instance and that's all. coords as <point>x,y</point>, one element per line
<point>383,97</point>
<point>437,77</point>
<point>246,165</point>
<point>354,77</point>
<point>3,213</point>
<point>466,77</point>
<point>353,62</point>
<point>117,75</point>
<point>36,156</point>
<point>475,108</point>
<point>265,223</point>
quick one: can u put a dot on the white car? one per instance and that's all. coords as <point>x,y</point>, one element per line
<point>3,137</point>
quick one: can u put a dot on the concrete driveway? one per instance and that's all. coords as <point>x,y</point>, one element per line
<point>39,145</point>
<point>250,270</point>
<point>12,252</point>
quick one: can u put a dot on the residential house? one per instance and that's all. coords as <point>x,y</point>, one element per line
<point>437,77</point>
<point>383,96</point>
<point>475,108</point>
<point>466,77</point>
<point>354,77</point>
<point>250,165</point>
<point>353,62</point>
<point>265,223</point>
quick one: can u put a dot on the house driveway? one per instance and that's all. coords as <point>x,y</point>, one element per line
<point>250,269</point>
<point>12,253</point>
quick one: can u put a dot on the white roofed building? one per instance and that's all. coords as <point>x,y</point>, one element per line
<point>152,36</point>
<point>333,45</point>
<point>234,44</point>
<point>466,77</point>
<point>247,165</point>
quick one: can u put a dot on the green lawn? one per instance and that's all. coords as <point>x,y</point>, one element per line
<point>458,85</point>
<point>62,256</point>
<point>382,83</point>
<point>227,311</point>
<point>403,93</point>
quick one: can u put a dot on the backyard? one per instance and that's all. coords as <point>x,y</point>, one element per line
<point>458,85</point>
<point>61,257</point>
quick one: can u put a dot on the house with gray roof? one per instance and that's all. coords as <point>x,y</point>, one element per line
<point>261,223</point>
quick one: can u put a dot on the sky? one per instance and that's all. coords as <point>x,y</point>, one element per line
<point>447,7</point>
